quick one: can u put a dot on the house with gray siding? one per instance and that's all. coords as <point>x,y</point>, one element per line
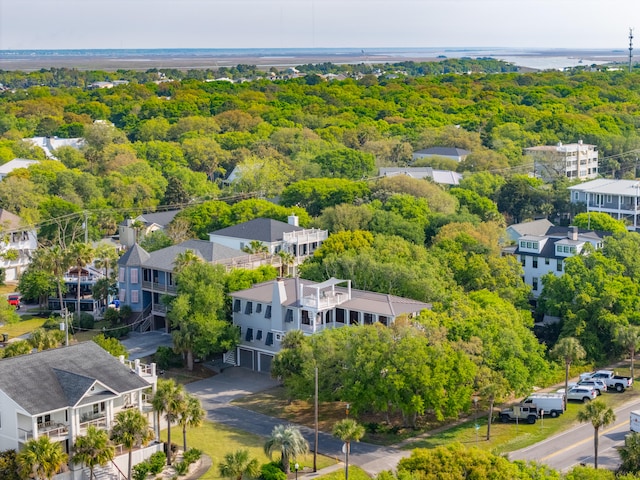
<point>265,312</point>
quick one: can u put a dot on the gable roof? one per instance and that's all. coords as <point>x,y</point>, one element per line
<point>58,378</point>
<point>11,165</point>
<point>261,229</point>
<point>445,151</point>
<point>627,188</point>
<point>159,218</point>
<point>535,227</point>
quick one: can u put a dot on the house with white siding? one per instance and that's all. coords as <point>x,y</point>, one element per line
<point>265,312</point>
<point>60,392</point>
<point>618,198</point>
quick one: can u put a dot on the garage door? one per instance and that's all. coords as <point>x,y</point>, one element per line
<point>246,358</point>
<point>265,362</point>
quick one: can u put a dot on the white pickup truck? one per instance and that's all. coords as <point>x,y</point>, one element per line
<point>609,377</point>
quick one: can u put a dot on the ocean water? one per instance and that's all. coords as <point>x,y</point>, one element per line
<point>539,59</point>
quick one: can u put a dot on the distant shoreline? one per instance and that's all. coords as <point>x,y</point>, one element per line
<point>183,59</point>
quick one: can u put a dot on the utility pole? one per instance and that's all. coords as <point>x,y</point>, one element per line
<point>630,47</point>
<point>315,449</point>
<point>86,227</point>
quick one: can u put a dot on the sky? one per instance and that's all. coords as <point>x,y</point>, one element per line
<point>86,24</point>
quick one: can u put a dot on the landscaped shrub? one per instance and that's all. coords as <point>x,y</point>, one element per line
<point>157,461</point>
<point>116,333</point>
<point>166,358</point>
<point>86,321</point>
<point>272,471</point>
<point>181,468</point>
<point>192,455</point>
<point>52,323</point>
<point>140,471</point>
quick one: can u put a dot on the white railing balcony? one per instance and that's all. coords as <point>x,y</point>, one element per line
<point>319,327</point>
<point>100,422</point>
<point>24,435</point>
<point>325,301</point>
<point>55,431</point>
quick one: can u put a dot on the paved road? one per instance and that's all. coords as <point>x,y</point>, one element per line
<point>575,446</point>
<point>142,345</point>
<point>216,393</point>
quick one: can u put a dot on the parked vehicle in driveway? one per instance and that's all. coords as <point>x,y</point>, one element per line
<point>582,394</point>
<point>609,377</point>
<point>552,404</point>
<point>14,299</point>
<point>597,384</point>
<point>528,413</point>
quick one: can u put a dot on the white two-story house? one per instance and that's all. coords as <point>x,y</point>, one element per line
<point>61,392</point>
<point>276,236</point>
<point>265,312</point>
<point>542,254</point>
<point>17,244</point>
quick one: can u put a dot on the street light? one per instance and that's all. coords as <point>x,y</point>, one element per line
<point>296,466</point>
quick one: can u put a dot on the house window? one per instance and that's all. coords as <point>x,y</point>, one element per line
<point>121,275</point>
<point>523,260</point>
<point>305,318</point>
<point>249,336</point>
<point>529,245</point>
<point>248,308</point>
<point>339,315</point>
<point>122,295</point>
<point>523,244</point>
<point>146,275</point>
<point>258,307</point>
<point>269,340</point>
<point>134,296</point>
<point>259,335</point>
<point>368,318</point>
<point>534,284</point>
<point>559,266</point>
<point>546,261</point>
<point>236,305</point>
<point>267,312</point>
<point>95,408</point>
<point>572,250</point>
<point>576,196</point>
<point>534,261</point>
<point>328,317</point>
<point>289,315</point>
<point>383,319</point>
<point>134,275</point>
<point>535,245</point>
<point>609,199</point>
<point>354,318</point>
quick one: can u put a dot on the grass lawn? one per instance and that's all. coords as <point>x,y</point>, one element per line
<point>26,325</point>
<point>507,437</point>
<point>355,473</point>
<point>218,440</point>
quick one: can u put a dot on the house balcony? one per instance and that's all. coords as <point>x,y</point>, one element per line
<point>158,287</point>
<point>146,371</point>
<point>100,422</point>
<point>159,309</point>
<point>55,431</point>
<point>325,301</point>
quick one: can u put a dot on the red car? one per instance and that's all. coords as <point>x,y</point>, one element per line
<point>14,299</point>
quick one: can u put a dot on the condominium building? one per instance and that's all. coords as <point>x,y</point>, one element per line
<point>573,160</point>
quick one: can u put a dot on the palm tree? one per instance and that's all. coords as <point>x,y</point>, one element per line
<point>192,415</point>
<point>40,458</point>
<point>628,337</point>
<point>348,430</point>
<point>93,449</point>
<point>239,465</point>
<point>44,339</point>
<point>170,400</point>
<point>630,454</point>
<point>184,259</point>
<point>286,261</point>
<point>600,415</point>
<point>55,260</point>
<point>287,440</point>
<point>568,350</point>
<point>256,246</point>
<point>80,255</point>
<point>130,429</point>
<point>106,255</point>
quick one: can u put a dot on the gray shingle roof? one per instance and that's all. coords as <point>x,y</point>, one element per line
<point>52,379</point>
<point>136,255</point>
<point>261,229</point>
<point>455,152</point>
<point>159,218</point>
<point>210,252</point>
